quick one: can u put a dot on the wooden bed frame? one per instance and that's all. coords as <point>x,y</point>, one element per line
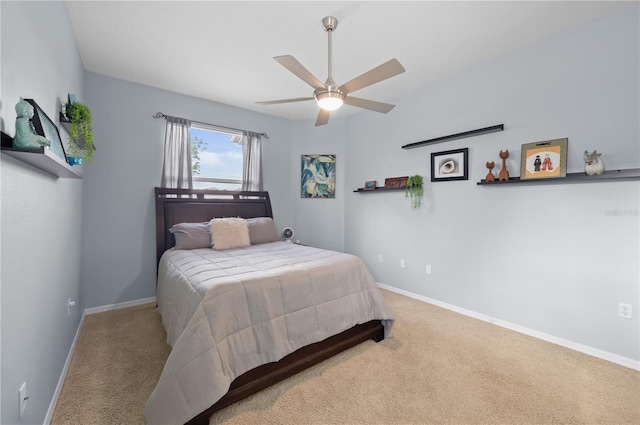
<point>191,206</point>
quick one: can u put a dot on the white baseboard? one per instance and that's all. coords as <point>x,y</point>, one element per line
<point>63,375</point>
<point>595,352</point>
<point>126,304</point>
<point>65,369</point>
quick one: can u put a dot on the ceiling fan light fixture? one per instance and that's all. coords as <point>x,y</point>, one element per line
<point>330,96</point>
<point>329,101</point>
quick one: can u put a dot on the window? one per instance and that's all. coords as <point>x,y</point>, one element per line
<point>216,158</point>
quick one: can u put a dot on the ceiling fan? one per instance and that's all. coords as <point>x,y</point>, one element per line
<point>330,96</point>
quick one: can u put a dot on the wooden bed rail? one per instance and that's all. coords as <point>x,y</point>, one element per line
<point>271,373</point>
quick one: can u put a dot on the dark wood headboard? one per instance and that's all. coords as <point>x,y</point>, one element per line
<point>192,206</point>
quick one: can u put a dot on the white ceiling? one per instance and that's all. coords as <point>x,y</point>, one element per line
<point>223,50</point>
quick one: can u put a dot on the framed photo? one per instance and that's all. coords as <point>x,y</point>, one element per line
<point>44,127</point>
<point>370,185</point>
<point>544,160</point>
<point>395,182</point>
<point>318,176</point>
<point>450,165</point>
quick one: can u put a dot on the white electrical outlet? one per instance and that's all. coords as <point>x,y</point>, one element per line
<point>625,310</point>
<point>402,263</point>
<point>70,304</point>
<point>428,269</point>
<point>23,397</point>
<point>380,258</point>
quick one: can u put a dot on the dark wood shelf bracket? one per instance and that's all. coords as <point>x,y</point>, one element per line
<point>471,133</point>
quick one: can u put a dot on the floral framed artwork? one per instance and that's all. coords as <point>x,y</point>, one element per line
<point>318,176</point>
<point>450,165</point>
<point>544,160</point>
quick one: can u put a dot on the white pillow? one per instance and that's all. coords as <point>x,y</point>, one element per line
<point>229,233</point>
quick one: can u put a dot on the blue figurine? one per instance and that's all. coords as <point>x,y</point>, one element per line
<point>26,137</point>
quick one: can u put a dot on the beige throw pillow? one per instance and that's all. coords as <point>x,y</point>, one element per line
<point>229,233</point>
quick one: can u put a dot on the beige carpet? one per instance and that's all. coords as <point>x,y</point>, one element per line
<point>441,368</point>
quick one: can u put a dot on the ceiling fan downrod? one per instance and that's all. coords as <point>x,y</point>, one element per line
<point>330,24</point>
<point>330,97</point>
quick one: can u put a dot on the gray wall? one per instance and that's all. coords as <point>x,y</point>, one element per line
<point>41,215</point>
<point>319,221</point>
<point>556,259</point>
<point>119,221</point>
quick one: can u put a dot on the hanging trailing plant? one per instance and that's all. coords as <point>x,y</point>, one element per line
<point>80,131</point>
<point>415,191</point>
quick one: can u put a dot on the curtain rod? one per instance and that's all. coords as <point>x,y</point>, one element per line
<point>161,115</point>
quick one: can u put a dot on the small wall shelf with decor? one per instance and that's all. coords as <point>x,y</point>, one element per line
<point>611,175</point>
<point>42,158</point>
<point>390,183</point>
<point>64,122</point>
<point>377,189</point>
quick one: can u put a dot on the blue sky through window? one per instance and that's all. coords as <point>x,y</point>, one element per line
<point>220,158</point>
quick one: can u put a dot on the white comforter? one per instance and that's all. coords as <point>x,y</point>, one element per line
<point>227,312</point>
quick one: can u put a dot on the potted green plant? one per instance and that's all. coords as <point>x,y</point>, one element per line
<point>414,190</point>
<point>80,132</point>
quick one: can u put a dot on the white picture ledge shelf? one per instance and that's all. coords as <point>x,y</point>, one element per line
<point>45,160</point>
<point>610,175</point>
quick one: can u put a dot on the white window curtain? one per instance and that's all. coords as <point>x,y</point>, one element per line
<point>252,161</point>
<point>176,170</point>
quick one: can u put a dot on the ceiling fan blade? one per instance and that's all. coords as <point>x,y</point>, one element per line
<point>300,71</point>
<point>275,102</point>
<point>377,74</point>
<point>323,117</point>
<point>369,104</point>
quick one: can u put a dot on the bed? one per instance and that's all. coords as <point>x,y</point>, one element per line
<point>244,318</point>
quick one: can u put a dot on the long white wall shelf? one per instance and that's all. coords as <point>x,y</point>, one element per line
<point>611,175</point>
<point>45,160</point>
